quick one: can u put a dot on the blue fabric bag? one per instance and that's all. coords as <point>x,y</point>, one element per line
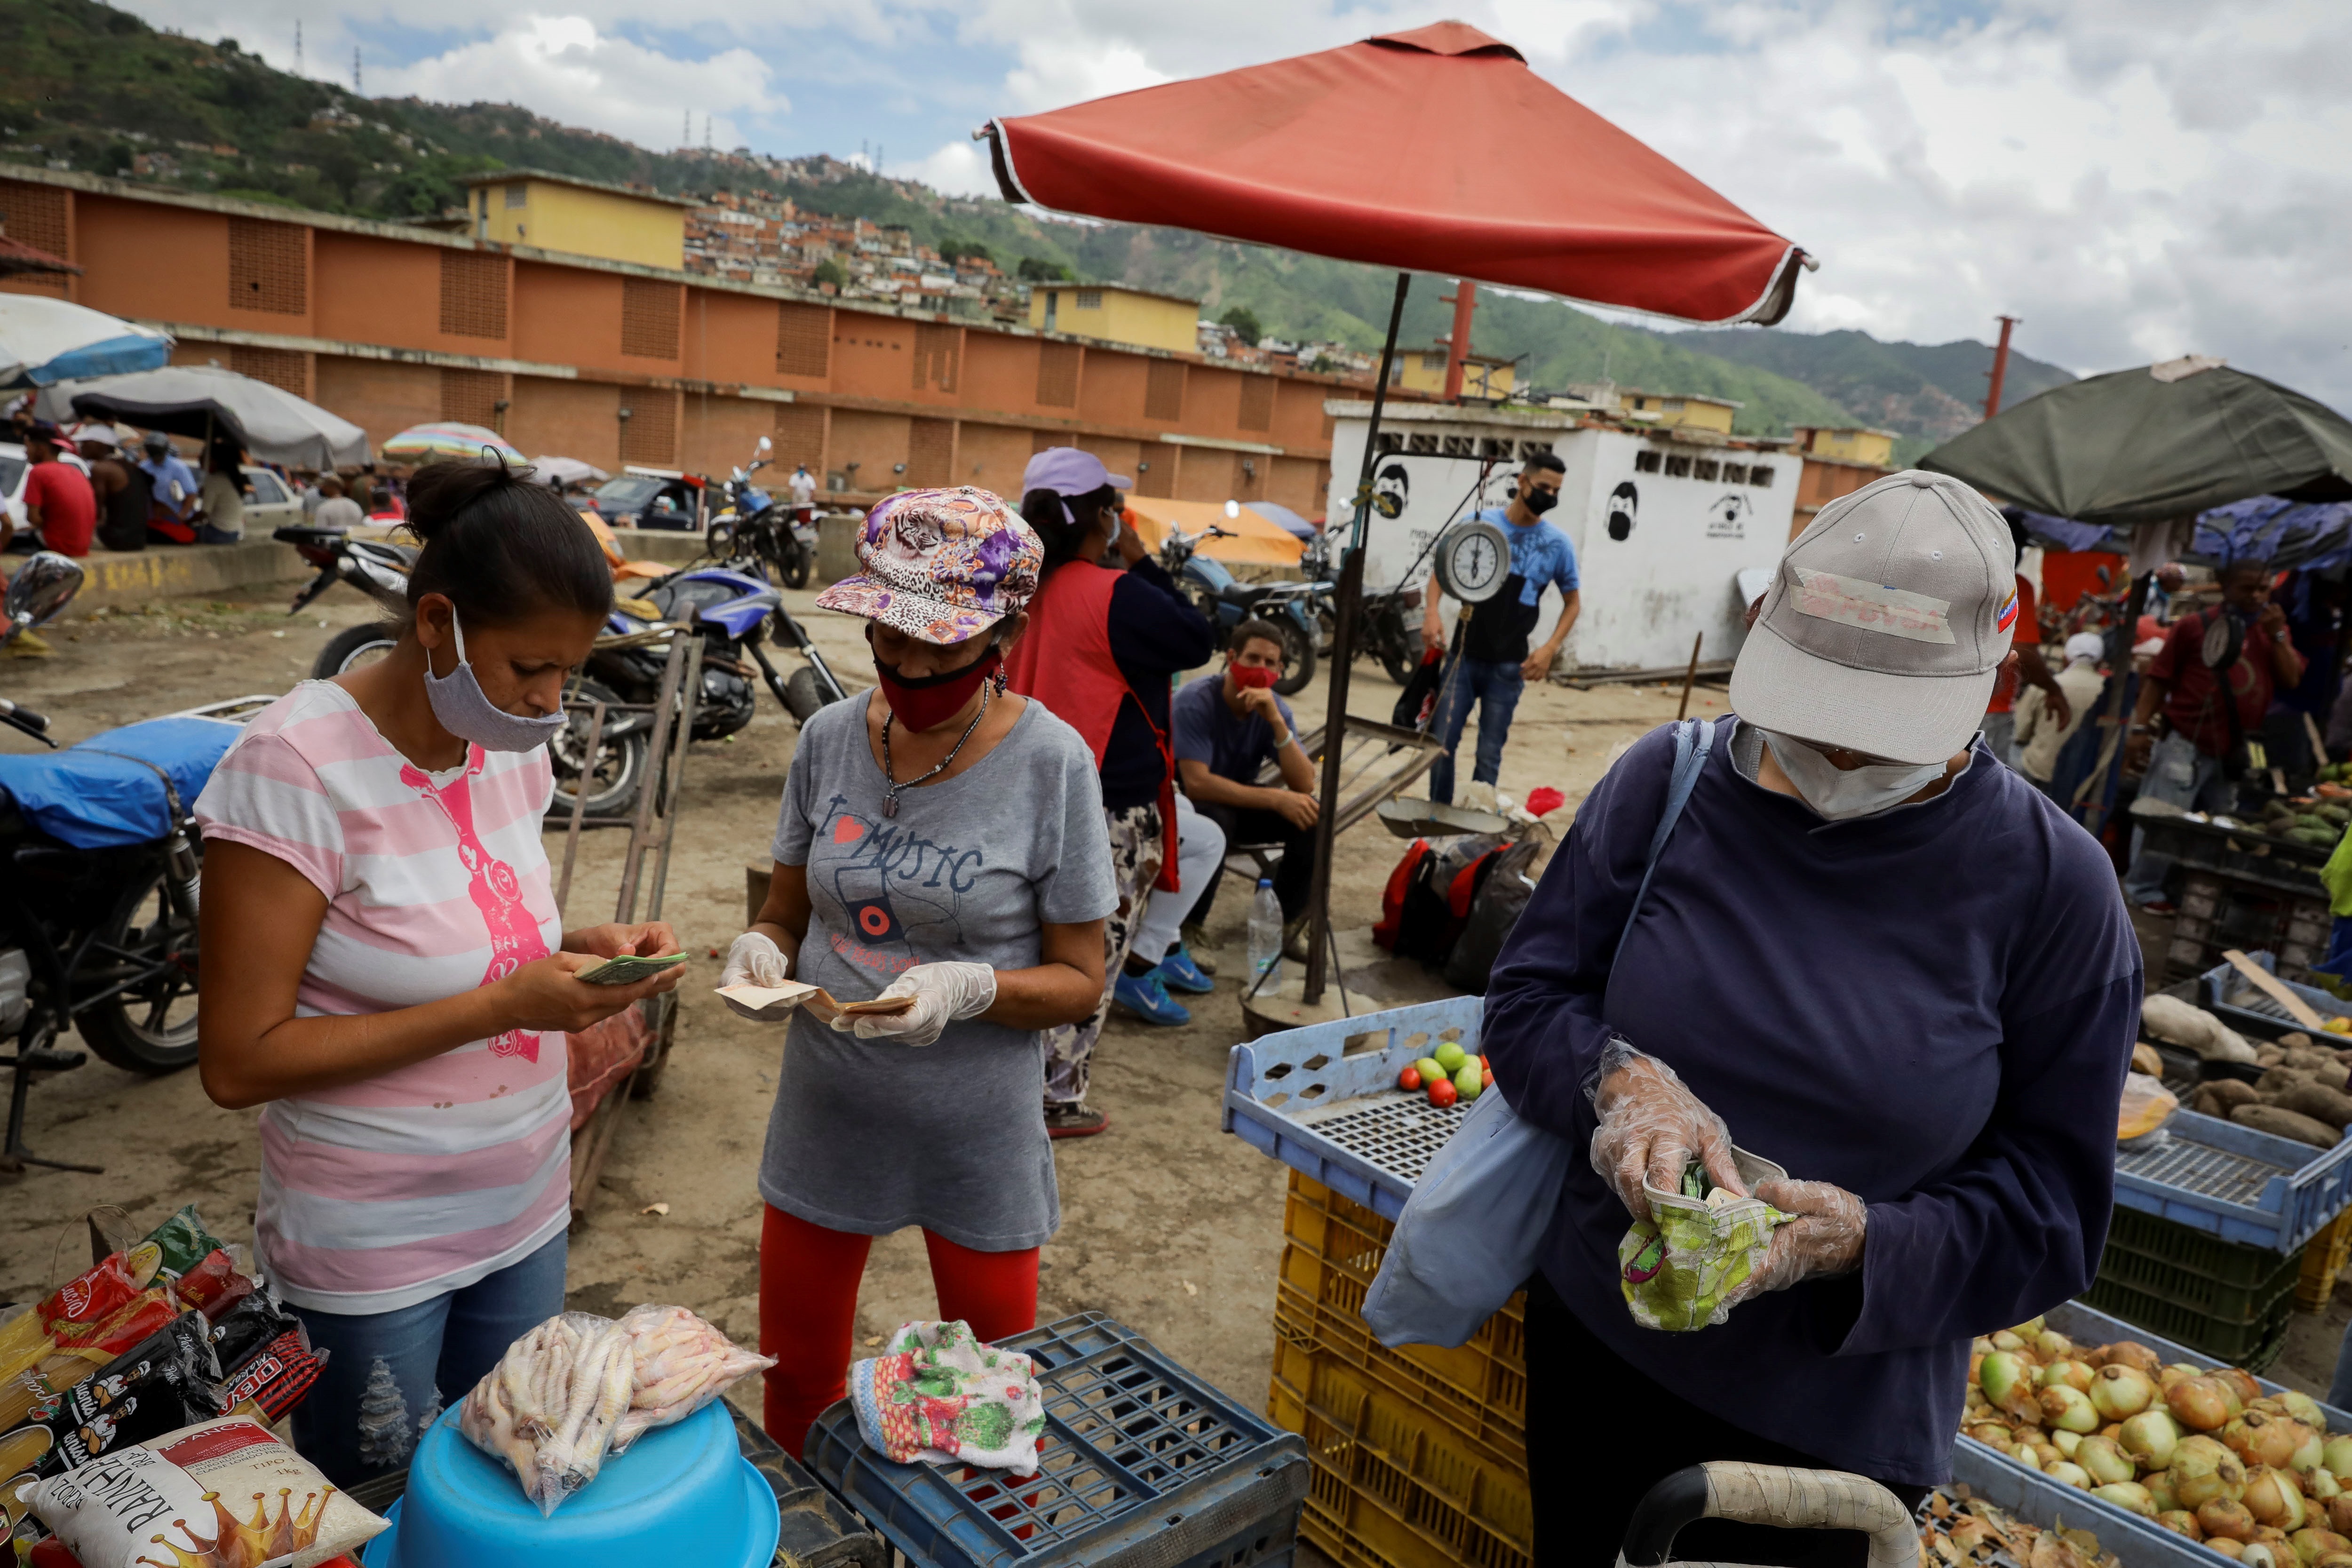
<point>1471,1231</point>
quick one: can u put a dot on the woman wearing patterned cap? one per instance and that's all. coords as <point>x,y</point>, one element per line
<point>941,841</point>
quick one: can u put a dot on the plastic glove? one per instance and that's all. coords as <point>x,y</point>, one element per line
<point>1652,1126</point>
<point>755,960</point>
<point>1824,1237</point>
<point>942,992</point>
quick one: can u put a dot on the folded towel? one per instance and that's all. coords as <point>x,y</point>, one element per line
<point>938,1394</point>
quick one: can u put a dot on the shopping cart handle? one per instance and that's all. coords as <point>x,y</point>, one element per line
<point>1774,1495</point>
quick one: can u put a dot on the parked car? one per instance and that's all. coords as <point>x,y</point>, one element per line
<point>650,498</point>
<point>272,504</point>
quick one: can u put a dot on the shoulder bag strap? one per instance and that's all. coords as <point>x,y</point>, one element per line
<point>1693,739</point>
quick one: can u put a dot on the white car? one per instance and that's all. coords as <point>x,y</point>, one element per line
<point>272,503</point>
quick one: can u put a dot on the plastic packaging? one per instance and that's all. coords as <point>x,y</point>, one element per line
<point>1680,1268</point>
<point>680,1363</point>
<point>166,1381</point>
<point>173,1248</point>
<point>2146,1106</point>
<point>1265,938</point>
<point>184,1494</point>
<point>548,1407</point>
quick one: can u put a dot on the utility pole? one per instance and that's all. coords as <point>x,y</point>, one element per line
<point>356,92</point>
<point>1465,300</point>
<point>2000,365</point>
<point>686,136</point>
<point>297,46</point>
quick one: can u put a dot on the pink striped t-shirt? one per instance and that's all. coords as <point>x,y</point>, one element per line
<point>386,1192</point>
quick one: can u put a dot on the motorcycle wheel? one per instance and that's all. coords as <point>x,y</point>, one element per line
<point>614,774</point>
<point>794,570</point>
<point>353,647</point>
<point>803,695</point>
<point>1298,657</point>
<point>151,1027</point>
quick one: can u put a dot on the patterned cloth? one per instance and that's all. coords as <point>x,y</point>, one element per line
<point>378,1194</point>
<point>1136,852</point>
<point>1677,1271</point>
<point>936,1393</point>
<point>942,565</point>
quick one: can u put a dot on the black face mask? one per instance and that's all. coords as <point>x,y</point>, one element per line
<point>1540,501</point>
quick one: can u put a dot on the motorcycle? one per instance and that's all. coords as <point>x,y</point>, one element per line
<point>752,528</point>
<point>1291,607</point>
<point>1390,630</point>
<point>39,594</point>
<point>378,569</point>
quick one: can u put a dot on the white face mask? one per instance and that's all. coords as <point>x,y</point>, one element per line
<point>1840,795</point>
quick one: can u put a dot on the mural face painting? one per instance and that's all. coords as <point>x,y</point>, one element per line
<point>1624,505</point>
<point>1392,490</point>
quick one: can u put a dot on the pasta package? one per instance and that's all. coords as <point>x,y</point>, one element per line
<point>165,1383</point>
<point>219,1492</point>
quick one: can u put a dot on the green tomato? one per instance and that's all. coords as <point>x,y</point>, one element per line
<point>1432,1069</point>
<point>1468,1080</point>
<point>1451,1057</point>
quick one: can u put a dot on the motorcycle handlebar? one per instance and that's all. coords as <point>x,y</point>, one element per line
<point>19,717</point>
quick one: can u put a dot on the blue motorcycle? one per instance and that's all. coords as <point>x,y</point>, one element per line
<point>1295,608</point>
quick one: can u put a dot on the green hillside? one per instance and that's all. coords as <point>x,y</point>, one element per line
<point>86,86</point>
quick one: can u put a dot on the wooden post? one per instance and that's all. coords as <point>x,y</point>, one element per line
<point>1689,675</point>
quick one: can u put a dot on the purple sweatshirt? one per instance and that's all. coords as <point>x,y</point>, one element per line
<point>1933,1007</point>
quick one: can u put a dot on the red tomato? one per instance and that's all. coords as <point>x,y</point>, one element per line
<point>1485,1079</point>
<point>1409,1079</point>
<point>1483,1062</point>
<point>1442,1094</point>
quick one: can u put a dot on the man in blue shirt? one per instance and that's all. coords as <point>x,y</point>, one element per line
<point>1496,664</point>
<point>175,489</point>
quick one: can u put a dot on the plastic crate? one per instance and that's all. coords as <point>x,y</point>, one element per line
<point>1393,1486</point>
<point>1331,1250</point>
<point>2231,1181</point>
<point>2225,1281</point>
<point>1141,1463</point>
<point>2253,1344</point>
<point>1323,1099</point>
<point>2323,1261</point>
<point>2233,998</point>
<point>2220,911</point>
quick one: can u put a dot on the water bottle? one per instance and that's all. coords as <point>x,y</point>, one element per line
<point>1265,938</point>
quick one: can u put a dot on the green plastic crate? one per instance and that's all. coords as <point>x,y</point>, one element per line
<point>2224,1283</point>
<point>2251,1345</point>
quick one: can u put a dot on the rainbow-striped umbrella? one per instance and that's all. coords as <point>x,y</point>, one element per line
<point>424,442</point>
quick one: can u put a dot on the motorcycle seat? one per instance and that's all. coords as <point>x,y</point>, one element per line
<point>101,793</point>
<point>1246,594</point>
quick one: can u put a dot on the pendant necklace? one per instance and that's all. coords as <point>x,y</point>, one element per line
<point>892,787</point>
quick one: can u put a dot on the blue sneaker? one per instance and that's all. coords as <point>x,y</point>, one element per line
<point>1179,973</point>
<point>1147,999</point>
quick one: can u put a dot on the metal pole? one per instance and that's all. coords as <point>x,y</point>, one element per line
<point>1689,675</point>
<point>1465,300</point>
<point>2095,811</point>
<point>1343,657</point>
<point>2000,367</point>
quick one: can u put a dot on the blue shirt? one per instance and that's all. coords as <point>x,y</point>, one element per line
<point>172,468</point>
<point>1233,745</point>
<point>1540,554</point>
<point>1933,1007</point>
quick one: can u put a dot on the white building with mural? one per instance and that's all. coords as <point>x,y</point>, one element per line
<point>1664,521</point>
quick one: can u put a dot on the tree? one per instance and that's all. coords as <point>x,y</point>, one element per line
<point>1036,269</point>
<point>954,250</point>
<point>831,271</point>
<point>1244,322</point>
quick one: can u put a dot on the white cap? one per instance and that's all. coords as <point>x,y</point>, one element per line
<point>2086,645</point>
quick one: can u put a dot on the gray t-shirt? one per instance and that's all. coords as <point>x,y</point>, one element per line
<point>870,1136</point>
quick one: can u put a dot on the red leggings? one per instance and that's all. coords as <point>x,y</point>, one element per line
<point>808,1308</point>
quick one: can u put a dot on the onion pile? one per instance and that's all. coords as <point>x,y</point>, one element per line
<point>2205,1453</point>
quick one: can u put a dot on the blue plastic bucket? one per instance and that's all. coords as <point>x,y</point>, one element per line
<point>682,1494</point>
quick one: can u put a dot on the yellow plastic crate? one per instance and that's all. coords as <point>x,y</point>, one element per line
<point>2324,1258</point>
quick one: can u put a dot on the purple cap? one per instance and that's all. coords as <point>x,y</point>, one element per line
<point>942,565</point>
<point>1067,472</point>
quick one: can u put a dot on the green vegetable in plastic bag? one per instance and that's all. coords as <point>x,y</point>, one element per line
<point>1704,1243</point>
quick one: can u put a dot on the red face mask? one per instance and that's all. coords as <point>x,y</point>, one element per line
<point>1246,678</point>
<point>927,701</point>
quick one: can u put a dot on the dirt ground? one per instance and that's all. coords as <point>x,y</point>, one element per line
<point>1169,1225</point>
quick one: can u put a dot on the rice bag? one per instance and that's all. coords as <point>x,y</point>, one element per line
<point>1676,1269</point>
<point>165,1383</point>
<point>548,1407</point>
<point>218,1492</point>
<point>682,1364</point>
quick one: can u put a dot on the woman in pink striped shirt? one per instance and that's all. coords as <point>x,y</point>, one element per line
<point>387,980</point>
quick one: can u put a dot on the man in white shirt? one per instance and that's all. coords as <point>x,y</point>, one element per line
<point>335,508</point>
<point>802,484</point>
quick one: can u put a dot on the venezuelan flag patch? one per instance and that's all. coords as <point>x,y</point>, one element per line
<point>2006,616</point>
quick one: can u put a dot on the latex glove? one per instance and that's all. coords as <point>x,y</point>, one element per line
<point>1825,1238</point>
<point>942,992</point>
<point>755,960</point>
<point>1651,1125</point>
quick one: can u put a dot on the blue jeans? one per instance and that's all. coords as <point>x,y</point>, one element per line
<point>1495,685</point>
<point>2179,774</point>
<point>390,1373</point>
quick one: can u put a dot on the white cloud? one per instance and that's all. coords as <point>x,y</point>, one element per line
<point>563,68</point>
<point>957,169</point>
<point>1058,70</point>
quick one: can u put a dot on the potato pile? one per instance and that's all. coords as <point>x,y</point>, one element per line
<point>2207,1454</point>
<point>2300,1094</point>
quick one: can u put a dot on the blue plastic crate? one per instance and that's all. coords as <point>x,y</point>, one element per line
<point>2259,1015</point>
<point>1305,1098</point>
<point>2237,1184</point>
<point>1141,1463</point>
<point>2139,1541</point>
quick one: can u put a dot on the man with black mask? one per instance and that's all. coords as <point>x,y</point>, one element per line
<point>1496,664</point>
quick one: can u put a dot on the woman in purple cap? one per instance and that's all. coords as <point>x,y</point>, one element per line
<point>939,841</point>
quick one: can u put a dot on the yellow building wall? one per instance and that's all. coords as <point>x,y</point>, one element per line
<point>1697,414</point>
<point>584,223</point>
<point>1488,381</point>
<point>1145,321</point>
<point>1420,370</point>
<point>1855,446</point>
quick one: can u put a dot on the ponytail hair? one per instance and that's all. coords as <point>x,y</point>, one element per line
<point>500,548</point>
<point>1063,522</point>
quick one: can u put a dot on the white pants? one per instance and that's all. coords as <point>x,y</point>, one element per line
<point>1200,848</point>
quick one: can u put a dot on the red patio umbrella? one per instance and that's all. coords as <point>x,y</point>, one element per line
<point>1435,150</point>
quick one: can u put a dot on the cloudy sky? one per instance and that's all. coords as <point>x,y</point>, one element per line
<point>2137,179</point>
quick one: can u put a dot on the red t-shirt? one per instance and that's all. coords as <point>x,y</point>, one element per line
<point>68,508</point>
<point>2028,635</point>
<point>2192,705</point>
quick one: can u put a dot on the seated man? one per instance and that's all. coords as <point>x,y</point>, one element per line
<point>1226,727</point>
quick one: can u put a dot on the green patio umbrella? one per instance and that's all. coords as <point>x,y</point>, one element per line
<point>2158,442</point>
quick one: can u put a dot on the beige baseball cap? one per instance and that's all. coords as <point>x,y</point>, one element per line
<point>1885,625</point>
